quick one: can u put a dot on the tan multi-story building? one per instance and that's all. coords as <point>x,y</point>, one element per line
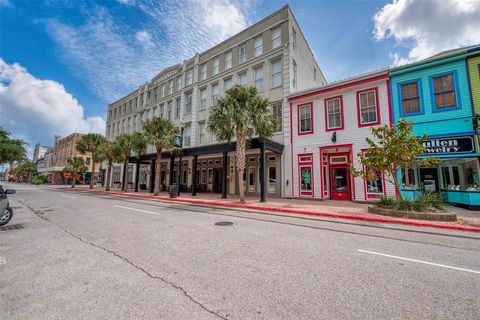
<point>55,159</point>
<point>271,55</point>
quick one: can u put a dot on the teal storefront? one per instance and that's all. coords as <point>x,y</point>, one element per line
<point>434,95</point>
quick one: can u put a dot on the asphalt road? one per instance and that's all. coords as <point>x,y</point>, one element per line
<point>86,256</point>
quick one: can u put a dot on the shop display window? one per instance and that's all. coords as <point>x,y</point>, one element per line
<point>410,179</point>
<point>461,175</point>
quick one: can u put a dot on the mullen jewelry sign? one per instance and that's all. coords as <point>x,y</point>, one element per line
<point>450,145</point>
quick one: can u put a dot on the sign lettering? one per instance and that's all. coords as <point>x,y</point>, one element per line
<point>450,145</point>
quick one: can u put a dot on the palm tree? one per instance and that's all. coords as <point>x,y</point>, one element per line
<point>76,167</point>
<point>108,151</point>
<point>242,113</point>
<point>140,145</point>
<point>90,143</point>
<point>125,143</point>
<point>162,133</point>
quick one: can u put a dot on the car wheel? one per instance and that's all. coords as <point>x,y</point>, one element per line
<point>6,216</point>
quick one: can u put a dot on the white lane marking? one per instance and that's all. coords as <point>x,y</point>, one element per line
<point>65,196</point>
<point>3,260</point>
<point>419,261</point>
<point>139,210</point>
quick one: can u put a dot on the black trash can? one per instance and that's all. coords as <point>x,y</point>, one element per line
<point>173,191</point>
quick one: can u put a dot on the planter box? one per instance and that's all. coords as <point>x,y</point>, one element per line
<point>431,216</point>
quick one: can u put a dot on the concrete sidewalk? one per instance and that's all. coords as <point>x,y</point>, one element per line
<point>467,220</point>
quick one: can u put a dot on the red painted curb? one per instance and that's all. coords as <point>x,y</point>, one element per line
<point>415,223</point>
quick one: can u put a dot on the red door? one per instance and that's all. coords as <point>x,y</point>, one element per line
<point>339,183</point>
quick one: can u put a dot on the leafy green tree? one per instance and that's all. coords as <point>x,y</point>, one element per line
<point>125,143</point>
<point>242,114</point>
<point>25,170</point>
<point>392,148</point>
<point>162,133</point>
<point>90,143</point>
<point>76,167</point>
<point>11,150</point>
<point>109,152</point>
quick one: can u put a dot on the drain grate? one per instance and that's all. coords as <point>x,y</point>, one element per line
<point>11,227</point>
<point>224,223</point>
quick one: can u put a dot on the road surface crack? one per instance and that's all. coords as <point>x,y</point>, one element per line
<point>150,275</point>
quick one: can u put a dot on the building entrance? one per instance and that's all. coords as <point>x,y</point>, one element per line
<point>339,183</point>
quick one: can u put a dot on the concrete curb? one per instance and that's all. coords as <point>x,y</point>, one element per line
<point>416,223</point>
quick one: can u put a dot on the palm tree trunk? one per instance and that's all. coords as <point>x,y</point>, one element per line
<point>93,173</point>
<point>240,164</point>
<point>73,181</point>
<point>125,174</point>
<point>156,190</point>
<point>109,173</point>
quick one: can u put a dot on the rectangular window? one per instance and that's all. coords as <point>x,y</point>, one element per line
<point>169,110</point>
<point>179,84</point>
<point>276,37</point>
<point>258,73</point>
<point>201,132</point>
<point>277,114</point>
<point>333,111</point>
<point>227,83</point>
<point>170,87</point>
<point>294,77</point>
<point>162,91</point>
<point>375,184</point>
<point>306,179</point>
<point>242,79</point>
<point>228,60</point>
<point>203,71</point>
<point>272,176</point>
<point>258,44</point>
<point>177,108</point>
<point>410,98</point>
<point>461,174</point>
<point>203,99</point>
<point>188,103</point>
<point>444,92</point>
<point>294,38</point>
<point>162,107</point>
<point>242,54</point>
<point>409,179</point>
<point>214,93</point>
<point>368,108</point>
<point>189,77</point>
<point>216,65</point>
<point>276,73</point>
<point>305,118</point>
<point>187,135</point>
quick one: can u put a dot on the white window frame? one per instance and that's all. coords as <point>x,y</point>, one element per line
<point>361,108</point>
<point>178,106</point>
<point>188,103</point>
<point>302,112</point>
<point>214,93</point>
<point>216,65</point>
<point>242,53</point>
<point>227,81</point>
<point>201,132</point>
<point>189,77</point>
<point>187,135</point>
<point>277,74</point>
<point>170,87</point>
<point>331,112</point>
<point>244,76</point>
<point>228,59</point>
<point>203,71</point>
<point>179,83</point>
<point>258,78</point>
<point>276,37</point>
<point>203,99</point>
<point>258,46</point>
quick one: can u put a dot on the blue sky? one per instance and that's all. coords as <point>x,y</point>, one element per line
<point>62,62</point>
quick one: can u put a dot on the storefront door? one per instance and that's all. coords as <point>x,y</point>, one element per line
<point>339,183</point>
<point>429,179</point>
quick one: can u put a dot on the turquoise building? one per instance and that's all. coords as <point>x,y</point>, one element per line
<point>434,94</point>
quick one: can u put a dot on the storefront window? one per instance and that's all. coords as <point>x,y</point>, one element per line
<point>306,176</point>
<point>460,174</point>
<point>375,184</point>
<point>409,179</point>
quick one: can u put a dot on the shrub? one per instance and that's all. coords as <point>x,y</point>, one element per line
<point>408,205</point>
<point>431,200</point>
<point>386,201</point>
<point>39,179</point>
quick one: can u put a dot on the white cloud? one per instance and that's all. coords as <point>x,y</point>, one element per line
<point>35,109</point>
<point>144,38</point>
<point>428,27</point>
<point>127,2</point>
<point>6,3</point>
<point>104,51</point>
